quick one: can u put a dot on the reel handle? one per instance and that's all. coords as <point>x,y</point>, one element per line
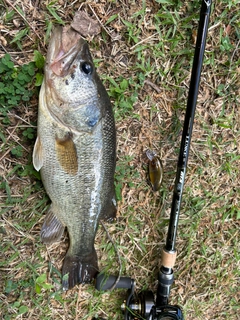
<point>105,282</point>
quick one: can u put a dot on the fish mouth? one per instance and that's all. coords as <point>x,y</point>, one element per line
<point>65,47</point>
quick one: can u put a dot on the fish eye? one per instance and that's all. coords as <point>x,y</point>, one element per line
<point>87,68</point>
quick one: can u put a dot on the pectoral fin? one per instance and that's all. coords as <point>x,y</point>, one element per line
<point>67,154</point>
<point>38,155</point>
<point>52,228</point>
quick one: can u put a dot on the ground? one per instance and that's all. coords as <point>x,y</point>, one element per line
<point>143,55</point>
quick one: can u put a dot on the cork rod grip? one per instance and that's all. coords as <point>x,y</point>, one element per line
<point>168,258</point>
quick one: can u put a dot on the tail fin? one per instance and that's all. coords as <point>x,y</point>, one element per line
<point>79,269</point>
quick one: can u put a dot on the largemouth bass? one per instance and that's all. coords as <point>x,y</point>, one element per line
<point>75,152</point>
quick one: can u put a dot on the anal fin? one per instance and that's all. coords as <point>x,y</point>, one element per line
<point>52,228</point>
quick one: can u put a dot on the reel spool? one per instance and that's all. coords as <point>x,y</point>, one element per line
<point>138,306</point>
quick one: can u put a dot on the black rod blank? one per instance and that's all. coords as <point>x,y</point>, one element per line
<point>169,252</point>
<point>188,124</point>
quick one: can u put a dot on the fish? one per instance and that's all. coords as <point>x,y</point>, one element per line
<point>155,170</point>
<point>75,152</point>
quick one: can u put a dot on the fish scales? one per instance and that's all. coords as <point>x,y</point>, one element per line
<point>75,152</point>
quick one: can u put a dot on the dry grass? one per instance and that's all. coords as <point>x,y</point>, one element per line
<point>151,46</point>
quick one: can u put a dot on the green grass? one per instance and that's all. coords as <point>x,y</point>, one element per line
<point>144,56</point>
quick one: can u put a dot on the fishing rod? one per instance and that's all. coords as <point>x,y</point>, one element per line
<point>143,305</point>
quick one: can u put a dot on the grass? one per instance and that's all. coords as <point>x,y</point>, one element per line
<point>144,56</point>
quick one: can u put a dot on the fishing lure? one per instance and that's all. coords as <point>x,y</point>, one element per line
<point>155,170</point>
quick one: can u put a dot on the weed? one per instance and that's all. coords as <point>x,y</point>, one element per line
<point>16,83</point>
<point>123,103</point>
<point>124,175</point>
<point>9,15</point>
<point>19,36</point>
<point>39,62</point>
<point>52,9</point>
<point>17,151</point>
<point>41,283</point>
<point>29,133</point>
<point>29,171</point>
